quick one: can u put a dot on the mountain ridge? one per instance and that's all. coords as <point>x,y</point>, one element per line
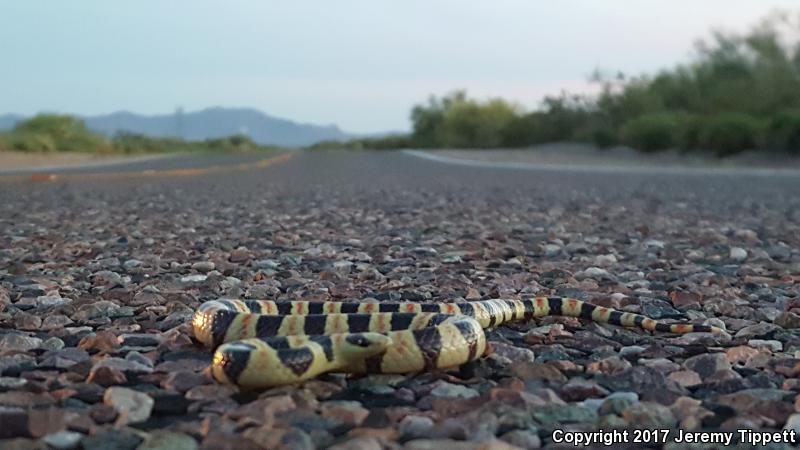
<point>212,122</point>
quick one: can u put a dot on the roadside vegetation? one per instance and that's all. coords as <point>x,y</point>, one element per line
<point>63,133</point>
<point>740,92</point>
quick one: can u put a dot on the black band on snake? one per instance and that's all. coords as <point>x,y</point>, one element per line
<point>262,343</point>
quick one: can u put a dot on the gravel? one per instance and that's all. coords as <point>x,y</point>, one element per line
<point>98,281</point>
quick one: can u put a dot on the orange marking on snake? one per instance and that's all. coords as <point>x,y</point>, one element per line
<point>245,321</point>
<point>401,346</point>
<point>451,309</point>
<point>338,323</point>
<point>381,321</point>
<point>572,304</point>
<point>368,307</point>
<point>298,308</point>
<point>331,308</point>
<point>410,307</point>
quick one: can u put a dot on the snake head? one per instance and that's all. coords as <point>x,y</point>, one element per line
<point>359,346</point>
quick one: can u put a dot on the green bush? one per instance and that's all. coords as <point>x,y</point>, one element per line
<point>53,132</point>
<point>730,133</point>
<point>784,131</point>
<point>602,136</point>
<point>127,142</point>
<point>32,142</point>
<point>138,143</point>
<point>352,144</point>
<point>391,142</point>
<point>653,132</point>
<point>521,131</point>
<point>690,136</point>
<point>235,143</point>
<point>387,142</point>
<point>472,124</point>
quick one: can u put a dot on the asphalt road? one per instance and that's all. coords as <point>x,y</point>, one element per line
<point>401,184</point>
<point>122,251</point>
<point>143,162</point>
<point>391,178</point>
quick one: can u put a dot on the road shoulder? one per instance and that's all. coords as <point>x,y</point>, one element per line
<point>12,162</point>
<point>573,157</point>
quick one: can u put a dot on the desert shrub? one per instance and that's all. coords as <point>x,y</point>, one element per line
<point>653,132</point>
<point>690,135</point>
<point>235,143</point>
<point>127,142</point>
<point>784,131</point>
<point>391,142</point>
<point>730,133</point>
<point>562,117</point>
<point>427,119</point>
<point>31,142</point>
<point>522,131</point>
<point>352,144</point>
<point>602,136</point>
<point>472,124</point>
<point>53,132</point>
<point>50,133</point>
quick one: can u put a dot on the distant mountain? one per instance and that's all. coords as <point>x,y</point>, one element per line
<point>8,121</point>
<point>210,123</point>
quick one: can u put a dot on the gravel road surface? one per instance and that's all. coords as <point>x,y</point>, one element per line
<point>98,278</point>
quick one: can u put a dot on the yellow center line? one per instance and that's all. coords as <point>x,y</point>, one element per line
<point>150,173</point>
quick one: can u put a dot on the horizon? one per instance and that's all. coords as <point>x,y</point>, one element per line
<point>311,64</point>
<point>168,114</point>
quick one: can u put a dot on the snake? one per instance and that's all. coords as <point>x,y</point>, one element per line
<point>259,344</point>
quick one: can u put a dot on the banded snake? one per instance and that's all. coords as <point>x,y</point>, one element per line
<point>263,343</point>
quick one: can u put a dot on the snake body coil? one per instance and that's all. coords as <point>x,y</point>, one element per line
<point>262,343</point>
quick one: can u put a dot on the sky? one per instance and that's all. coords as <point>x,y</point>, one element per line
<point>359,64</point>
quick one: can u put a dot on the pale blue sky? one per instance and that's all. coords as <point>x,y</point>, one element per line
<point>360,64</point>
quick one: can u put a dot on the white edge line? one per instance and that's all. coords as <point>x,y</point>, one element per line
<point>665,170</point>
